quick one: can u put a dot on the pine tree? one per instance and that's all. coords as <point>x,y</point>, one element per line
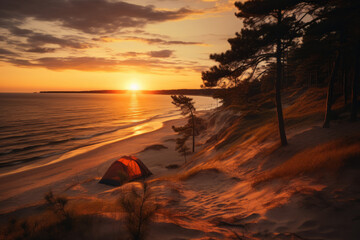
<point>186,106</point>
<point>270,27</point>
<point>338,25</point>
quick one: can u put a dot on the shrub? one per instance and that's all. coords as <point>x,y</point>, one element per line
<point>57,204</point>
<point>139,209</point>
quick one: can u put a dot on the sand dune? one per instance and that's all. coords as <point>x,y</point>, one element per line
<point>217,194</point>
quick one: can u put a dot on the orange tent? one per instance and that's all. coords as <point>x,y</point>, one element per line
<point>125,169</point>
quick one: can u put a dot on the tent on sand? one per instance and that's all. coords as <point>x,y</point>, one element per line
<point>125,169</point>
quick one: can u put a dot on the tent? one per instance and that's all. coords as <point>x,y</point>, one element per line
<point>125,169</point>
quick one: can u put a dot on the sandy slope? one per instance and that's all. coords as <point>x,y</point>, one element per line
<point>220,201</point>
<point>213,196</point>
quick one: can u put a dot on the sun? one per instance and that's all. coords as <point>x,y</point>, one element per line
<point>134,87</point>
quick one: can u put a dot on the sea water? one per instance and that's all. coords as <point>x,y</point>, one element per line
<point>47,127</point>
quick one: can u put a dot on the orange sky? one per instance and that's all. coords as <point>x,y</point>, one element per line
<point>110,44</point>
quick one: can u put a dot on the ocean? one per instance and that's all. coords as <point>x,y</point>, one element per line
<point>50,127</point>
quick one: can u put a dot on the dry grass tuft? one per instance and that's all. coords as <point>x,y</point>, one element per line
<point>243,128</point>
<point>328,157</point>
<point>61,220</point>
<point>58,205</point>
<point>139,209</point>
<point>310,102</point>
<point>172,166</point>
<point>196,170</point>
<point>259,125</point>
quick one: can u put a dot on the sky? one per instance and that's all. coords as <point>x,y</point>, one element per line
<point>110,44</point>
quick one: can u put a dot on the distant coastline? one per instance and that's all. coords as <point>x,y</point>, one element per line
<point>194,92</point>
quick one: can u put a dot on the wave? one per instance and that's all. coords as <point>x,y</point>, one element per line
<point>47,135</point>
<point>53,128</point>
<point>32,133</point>
<point>26,149</point>
<point>30,159</point>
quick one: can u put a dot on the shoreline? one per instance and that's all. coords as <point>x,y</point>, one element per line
<point>138,130</point>
<point>16,187</point>
<point>190,92</point>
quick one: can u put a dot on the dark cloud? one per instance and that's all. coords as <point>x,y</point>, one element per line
<point>154,54</point>
<point>41,50</point>
<point>161,53</point>
<point>131,54</point>
<point>40,39</point>
<point>162,41</point>
<point>6,52</point>
<point>159,41</point>
<point>19,31</point>
<point>90,16</point>
<point>144,33</point>
<point>35,42</point>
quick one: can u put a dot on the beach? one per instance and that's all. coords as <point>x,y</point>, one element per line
<point>27,188</point>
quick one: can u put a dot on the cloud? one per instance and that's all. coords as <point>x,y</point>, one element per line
<point>25,29</point>
<point>40,39</point>
<point>92,64</point>
<point>6,52</point>
<point>131,54</point>
<point>41,50</point>
<point>159,41</point>
<point>86,63</point>
<point>20,19</point>
<point>89,16</point>
<point>19,31</point>
<point>161,53</point>
<point>36,39</point>
<point>26,40</point>
<point>75,63</point>
<point>143,32</point>
<point>154,54</point>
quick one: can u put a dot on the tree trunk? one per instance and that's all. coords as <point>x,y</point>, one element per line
<point>354,104</point>
<point>193,131</point>
<point>284,80</point>
<point>329,98</point>
<point>344,76</point>
<point>345,92</point>
<point>278,88</point>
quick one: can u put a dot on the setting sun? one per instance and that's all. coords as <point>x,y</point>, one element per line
<point>134,87</point>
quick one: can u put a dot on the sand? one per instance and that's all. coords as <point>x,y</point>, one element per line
<point>212,196</point>
<point>27,188</point>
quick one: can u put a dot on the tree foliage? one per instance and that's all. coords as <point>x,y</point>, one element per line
<point>270,27</point>
<point>193,126</point>
<point>293,42</point>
